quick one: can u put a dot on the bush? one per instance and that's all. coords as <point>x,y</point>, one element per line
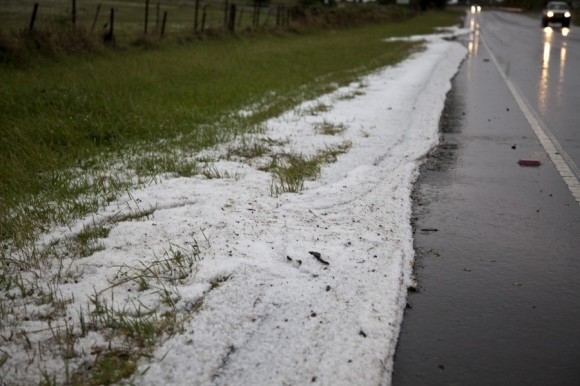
<point>19,48</point>
<point>350,15</point>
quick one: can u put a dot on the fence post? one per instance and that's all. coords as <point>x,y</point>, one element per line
<point>96,17</point>
<point>232,19</point>
<point>112,31</point>
<point>226,6</point>
<point>33,17</point>
<point>109,36</point>
<point>163,23</point>
<point>254,13</point>
<point>204,14</point>
<point>195,17</point>
<point>146,16</point>
<point>74,13</point>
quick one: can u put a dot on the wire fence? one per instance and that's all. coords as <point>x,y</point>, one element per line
<point>118,19</point>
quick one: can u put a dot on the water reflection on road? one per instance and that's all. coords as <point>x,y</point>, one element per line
<point>556,54</point>
<point>473,44</point>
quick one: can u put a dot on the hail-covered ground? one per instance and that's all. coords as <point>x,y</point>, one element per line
<point>280,288</point>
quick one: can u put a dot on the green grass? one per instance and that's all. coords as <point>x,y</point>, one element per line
<point>76,129</point>
<point>63,121</point>
<point>329,128</point>
<point>291,170</point>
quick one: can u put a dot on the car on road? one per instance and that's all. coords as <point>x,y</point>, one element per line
<point>556,12</point>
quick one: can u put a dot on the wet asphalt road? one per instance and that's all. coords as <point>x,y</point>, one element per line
<point>544,65</point>
<point>498,245</point>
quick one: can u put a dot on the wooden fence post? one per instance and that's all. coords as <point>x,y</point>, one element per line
<point>226,8</point>
<point>109,36</point>
<point>195,17</point>
<point>33,17</point>
<point>112,30</point>
<point>163,23</point>
<point>74,13</point>
<point>96,17</point>
<point>203,16</point>
<point>232,19</point>
<point>146,16</point>
<point>254,15</point>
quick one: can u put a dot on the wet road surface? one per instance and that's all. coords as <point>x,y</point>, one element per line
<point>498,246</point>
<point>543,64</point>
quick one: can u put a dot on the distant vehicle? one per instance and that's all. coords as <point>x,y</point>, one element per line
<point>475,8</point>
<point>556,12</point>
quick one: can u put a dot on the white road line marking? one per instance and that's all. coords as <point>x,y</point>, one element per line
<point>560,159</point>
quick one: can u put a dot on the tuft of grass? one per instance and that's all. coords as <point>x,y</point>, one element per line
<point>248,149</point>
<point>275,142</point>
<point>133,214</point>
<point>175,265</point>
<point>135,323</point>
<point>289,174</point>
<point>351,95</point>
<point>290,171</point>
<point>174,164</point>
<point>329,128</point>
<point>212,172</point>
<point>86,242</point>
<point>318,109</point>
<point>218,282</point>
<point>330,153</point>
<point>109,368</point>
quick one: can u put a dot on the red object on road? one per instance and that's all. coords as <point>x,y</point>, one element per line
<point>529,162</point>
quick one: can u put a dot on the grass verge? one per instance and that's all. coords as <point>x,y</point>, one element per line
<point>145,109</point>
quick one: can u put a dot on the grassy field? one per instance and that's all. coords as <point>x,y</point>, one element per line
<point>60,118</point>
<point>79,131</point>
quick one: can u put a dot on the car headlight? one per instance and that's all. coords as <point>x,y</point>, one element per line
<point>478,8</point>
<point>550,14</point>
<point>567,14</point>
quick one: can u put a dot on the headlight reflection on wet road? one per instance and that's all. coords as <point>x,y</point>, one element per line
<point>550,49</point>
